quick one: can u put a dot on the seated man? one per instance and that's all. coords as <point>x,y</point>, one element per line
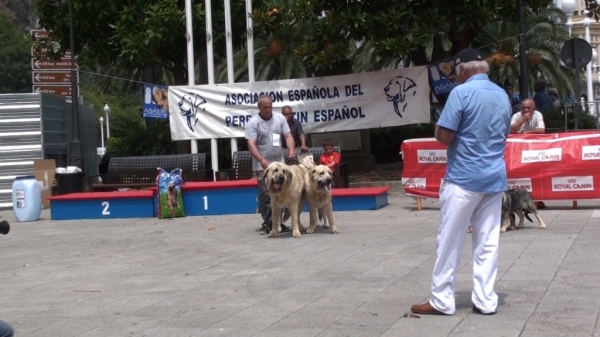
<point>528,120</point>
<point>330,158</point>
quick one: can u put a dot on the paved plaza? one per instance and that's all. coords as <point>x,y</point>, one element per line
<point>216,276</point>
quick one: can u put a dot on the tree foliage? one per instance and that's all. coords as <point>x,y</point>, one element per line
<point>499,43</point>
<point>15,64</point>
<point>396,28</point>
<point>137,34</point>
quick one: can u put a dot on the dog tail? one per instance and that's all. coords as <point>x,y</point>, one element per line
<point>526,212</point>
<point>320,211</point>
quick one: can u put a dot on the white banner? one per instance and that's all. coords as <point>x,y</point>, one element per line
<point>326,104</point>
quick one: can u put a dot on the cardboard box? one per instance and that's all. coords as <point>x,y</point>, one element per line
<point>44,170</point>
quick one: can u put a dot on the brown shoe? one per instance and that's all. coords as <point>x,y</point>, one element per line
<point>425,309</point>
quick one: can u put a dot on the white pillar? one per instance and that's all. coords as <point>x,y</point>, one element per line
<point>189,36</point>
<point>214,150</point>
<point>229,48</point>
<point>250,41</point>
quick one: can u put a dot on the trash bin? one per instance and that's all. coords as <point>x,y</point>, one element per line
<point>70,182</point>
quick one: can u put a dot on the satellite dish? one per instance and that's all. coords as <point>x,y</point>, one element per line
<point>576,53</point>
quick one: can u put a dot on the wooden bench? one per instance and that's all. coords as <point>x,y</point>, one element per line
<point>141,172</point>
<point>241,167</point>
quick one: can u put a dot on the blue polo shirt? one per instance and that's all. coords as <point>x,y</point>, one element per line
<point>479,112</point>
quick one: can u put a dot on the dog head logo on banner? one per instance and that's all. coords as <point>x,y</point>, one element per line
<point>189,105</point>
<point>397,90</point>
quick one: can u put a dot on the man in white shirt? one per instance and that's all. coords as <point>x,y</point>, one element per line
<point>528,120</point>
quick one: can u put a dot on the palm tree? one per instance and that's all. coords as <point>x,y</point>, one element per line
<point>365,57</point>
<point>499,43</point>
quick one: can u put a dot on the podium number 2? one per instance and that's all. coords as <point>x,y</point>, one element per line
<point>105,210</point>
<point>205,198</point>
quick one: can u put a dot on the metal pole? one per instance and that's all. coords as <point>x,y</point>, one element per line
<point>214,149</point>
<point>523,91</point>
<point>588,67</point>
<point>229,48</point>
<point>75,156</point>
<point>577,96</point>
<point>107,127</point>
<point>102,131</point>
<point>189,35</point>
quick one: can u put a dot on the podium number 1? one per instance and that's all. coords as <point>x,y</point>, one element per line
<point>105,211</point>
<point>205,198</point>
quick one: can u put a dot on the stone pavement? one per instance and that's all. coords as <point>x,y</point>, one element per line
<point>216,276</point>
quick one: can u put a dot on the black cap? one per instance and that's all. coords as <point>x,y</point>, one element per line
<point>467,55</point>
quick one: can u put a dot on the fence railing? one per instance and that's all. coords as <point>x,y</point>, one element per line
<point>578,110</point>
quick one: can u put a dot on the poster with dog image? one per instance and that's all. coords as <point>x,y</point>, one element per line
<point>170,200</point>
<point>156,104</point>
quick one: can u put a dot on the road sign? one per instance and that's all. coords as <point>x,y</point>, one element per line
<point>53,77</point>
<point>39,34</point>
<point>576,53</point>
<point>43,52</point>
<point>62,64</point>
<point>50,76</point>
<point>57,89</point>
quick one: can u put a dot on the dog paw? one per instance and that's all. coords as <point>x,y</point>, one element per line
<point>273,234</point>
<point>502,230</point>
<point>543,226</point>
<point>297,234</point>
<point>335,230</point>
<point>326,226</point>
<point>311,230</point>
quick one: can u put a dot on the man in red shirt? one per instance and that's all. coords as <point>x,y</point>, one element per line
<point>330,158</point>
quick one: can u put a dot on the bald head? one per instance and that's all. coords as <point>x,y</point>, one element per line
<point>265,107</point>
<point>527,106</point>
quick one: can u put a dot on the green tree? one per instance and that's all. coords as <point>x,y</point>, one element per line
<point>499,43</point>
<point>275,54</point>
<point>396,29</point>
<point>15,59</point>
<point>136,35</point>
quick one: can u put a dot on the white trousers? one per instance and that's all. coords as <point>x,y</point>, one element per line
<point>458,209</point>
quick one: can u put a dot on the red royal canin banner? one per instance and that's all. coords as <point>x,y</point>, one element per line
<point>559,166</point>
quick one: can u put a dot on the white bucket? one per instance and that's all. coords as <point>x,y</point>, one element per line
<point>27,199</point>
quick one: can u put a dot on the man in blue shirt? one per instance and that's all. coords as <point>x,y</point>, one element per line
<point>474,124</point>
<point>542,100</point>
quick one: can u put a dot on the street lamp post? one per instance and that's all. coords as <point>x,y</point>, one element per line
<point>75,156</point>
<point>102,131</point>
<point>107,111</point>
<point>568,7</point>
